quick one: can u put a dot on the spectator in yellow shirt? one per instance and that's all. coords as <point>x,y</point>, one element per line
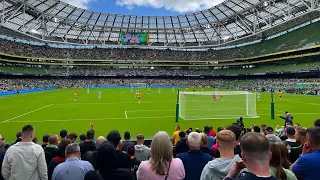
<point>176,137</point>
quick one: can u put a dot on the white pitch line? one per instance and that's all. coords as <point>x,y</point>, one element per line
<point>26,113</point>
<point>151,110</point>
<point>102,119</point>
<point>125,113</point>
<point>303,103</point>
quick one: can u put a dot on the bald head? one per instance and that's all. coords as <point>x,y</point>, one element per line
<point>99,141</point>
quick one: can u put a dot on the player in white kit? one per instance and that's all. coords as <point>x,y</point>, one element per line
<point>99,94</point>
<point>88,90</point>
<point>258,96</point>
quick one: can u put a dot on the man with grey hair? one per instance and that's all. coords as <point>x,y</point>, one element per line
<point>73,168</point>
<point>194,160</point>
<point>25,159</point>
<point>91,156</point>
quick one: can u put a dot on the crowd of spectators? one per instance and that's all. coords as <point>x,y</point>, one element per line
<point>95,53</point>
<point>308,86</point>
<point>248,153</point>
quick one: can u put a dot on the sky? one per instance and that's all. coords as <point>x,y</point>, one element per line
<point>145,7</point>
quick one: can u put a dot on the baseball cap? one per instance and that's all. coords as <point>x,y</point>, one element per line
<point>269,129</point>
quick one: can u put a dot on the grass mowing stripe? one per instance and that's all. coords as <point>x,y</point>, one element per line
<point>26,113</point>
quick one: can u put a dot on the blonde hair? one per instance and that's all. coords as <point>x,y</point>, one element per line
<point>226,139</point>
<point>204,139</point>
<point>161,153</point>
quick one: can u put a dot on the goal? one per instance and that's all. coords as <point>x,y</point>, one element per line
<point>138,85</point>
<point>217,105</point>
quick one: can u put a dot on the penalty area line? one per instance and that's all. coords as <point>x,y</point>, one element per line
<point>102,119</point>
<point>26,113</point>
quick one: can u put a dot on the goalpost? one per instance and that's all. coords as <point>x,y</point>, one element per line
<point>217,105</point>
<point>138,85</point>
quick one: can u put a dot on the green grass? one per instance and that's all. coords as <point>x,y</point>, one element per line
<point>51,111</point>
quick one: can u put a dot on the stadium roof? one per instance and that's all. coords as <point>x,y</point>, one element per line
<point>53,20</point>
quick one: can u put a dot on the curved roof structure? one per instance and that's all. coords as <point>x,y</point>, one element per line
<point>53,20</point>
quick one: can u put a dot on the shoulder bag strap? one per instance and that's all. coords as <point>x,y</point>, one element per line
<point>168,171</point>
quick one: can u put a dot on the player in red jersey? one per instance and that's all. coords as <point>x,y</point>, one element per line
<point>214,97</point>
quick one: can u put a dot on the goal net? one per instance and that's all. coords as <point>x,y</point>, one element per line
<point>138,85</point>
<point>217,105</point>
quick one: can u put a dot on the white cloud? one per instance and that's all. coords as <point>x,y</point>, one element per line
<point>181,6</point>
<point>79,3</point>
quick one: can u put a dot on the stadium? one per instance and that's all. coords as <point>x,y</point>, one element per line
<point>67,68</point>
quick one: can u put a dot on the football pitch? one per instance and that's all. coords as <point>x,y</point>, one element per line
<point>118,109</point>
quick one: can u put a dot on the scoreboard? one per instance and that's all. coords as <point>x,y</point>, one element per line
<point>134,38</point>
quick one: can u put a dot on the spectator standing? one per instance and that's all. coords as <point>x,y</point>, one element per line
<point>60,158</point>
<point>73,137</point>
<point>218,168</point>
<point>271,136</point>
<point>88,144</point>
<point>73,168</point>
<point>126,142</point>
<point>134,163</point>
<point>51,150</point>
<point>194,160</point>
<point>45,141</point>
<point>317,122</point>
<point>211,139</point>
<point>301,139</point>
<point>25,160</point>
<point>237,130</point>
<point>161,164</point>
<point>290,142</point>
<point>256,157</point>
<point>63,134</point>
<point>18,136</point>
<point>215,147</point>
<point>256,129</point>
<point>107,165</point>
<point>181,146</point>
<point>204,146</point>
<point>2,153</point>
<point>123,158</point>
<point>35,140</point>
<point>307,166</point>
<point>212,132</point>
<point>91,156</point>
<point>142,151</point>
<point>276,168</point>
<point>284,155</point>
<point>83,137</point>
<point>176,137</point>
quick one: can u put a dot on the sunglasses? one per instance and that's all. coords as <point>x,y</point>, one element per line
<point>2,139</point>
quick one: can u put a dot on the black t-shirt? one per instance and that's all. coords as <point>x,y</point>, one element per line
<point>295,153</point>
<point>208,151</point>
<point>250,176</point>
<point>85,147</point>
<point>124,160</point>
<point>134,165</point>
